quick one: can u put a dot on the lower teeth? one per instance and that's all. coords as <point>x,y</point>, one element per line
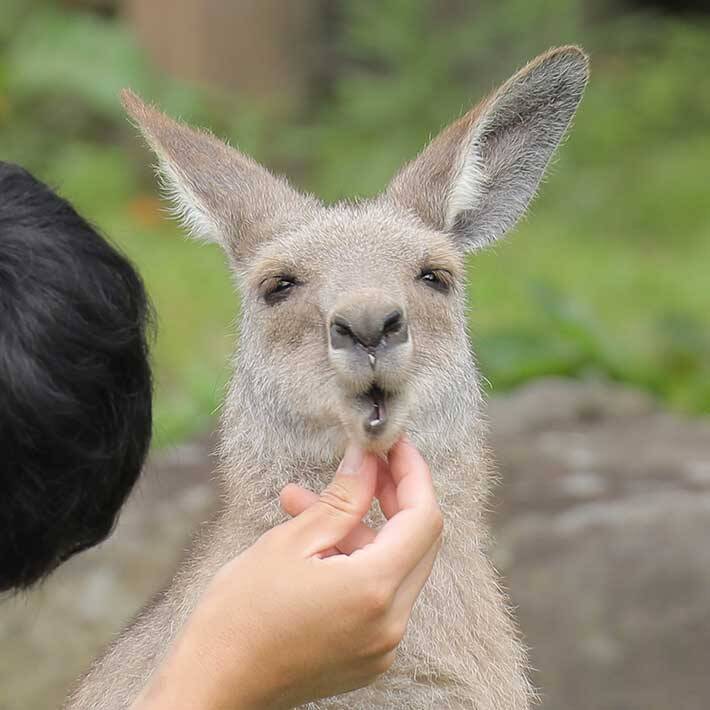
<point>377,415</point>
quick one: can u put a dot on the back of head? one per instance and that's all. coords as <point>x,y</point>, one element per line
<point>75,381</point>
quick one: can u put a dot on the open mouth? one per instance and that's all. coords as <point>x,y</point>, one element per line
<point>375,401</point>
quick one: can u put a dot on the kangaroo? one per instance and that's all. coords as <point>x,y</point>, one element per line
<point>353,327</point>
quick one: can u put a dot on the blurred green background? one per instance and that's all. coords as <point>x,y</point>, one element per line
<point>607,276</point>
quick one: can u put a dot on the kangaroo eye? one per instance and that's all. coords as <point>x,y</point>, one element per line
<point>439,279</point>
<point>278,289</point>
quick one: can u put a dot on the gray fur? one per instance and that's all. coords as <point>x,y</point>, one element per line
<point>289,410</point>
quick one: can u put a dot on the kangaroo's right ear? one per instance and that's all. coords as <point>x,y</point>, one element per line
<point>218,193</point>
<point>477,178</point>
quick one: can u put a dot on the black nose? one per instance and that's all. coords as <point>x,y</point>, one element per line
<point>368,327</point>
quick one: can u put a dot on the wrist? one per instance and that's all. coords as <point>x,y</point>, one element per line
<point>187,681</point>
<point>202,672</point>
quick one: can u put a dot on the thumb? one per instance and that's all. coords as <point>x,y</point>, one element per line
<point>340,506</point>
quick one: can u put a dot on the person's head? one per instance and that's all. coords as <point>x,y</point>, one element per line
<point>75,381</point>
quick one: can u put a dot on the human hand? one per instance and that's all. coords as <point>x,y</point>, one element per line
<point>292,619</point>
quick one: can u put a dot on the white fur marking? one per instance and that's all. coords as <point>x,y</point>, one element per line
<point>185,207</point>
<point>467,185</point>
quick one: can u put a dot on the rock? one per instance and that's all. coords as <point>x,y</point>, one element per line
<point>602,527</point>
<point>602,522</point>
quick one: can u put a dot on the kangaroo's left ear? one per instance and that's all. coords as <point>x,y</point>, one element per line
<point>220,194</point>
<point>477,177</point>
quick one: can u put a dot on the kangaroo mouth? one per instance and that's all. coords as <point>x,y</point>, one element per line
<point>376,405</point>
<point>375,415</point>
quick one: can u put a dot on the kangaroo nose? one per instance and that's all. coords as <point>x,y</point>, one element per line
<point>368,327</point>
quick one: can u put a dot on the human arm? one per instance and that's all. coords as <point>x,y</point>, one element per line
<point>293,619</point>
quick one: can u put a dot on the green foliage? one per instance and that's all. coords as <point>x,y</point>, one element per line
<point>607,277</point>
<point>411,68</point>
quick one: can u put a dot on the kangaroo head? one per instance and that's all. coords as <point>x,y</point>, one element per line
<point>353,314</point>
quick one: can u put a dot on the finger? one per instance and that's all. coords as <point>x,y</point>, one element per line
<point>330,552</point>
<point>385,492</point>
<point>413,584</point>
<point>295,499</point>
<point>410,475</point>
<point>340,506</point>
<point>356,539</point>
<point>407,537</point>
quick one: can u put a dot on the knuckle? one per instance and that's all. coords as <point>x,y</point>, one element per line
<point>437,522</point>
<point>384,662</point>
<point>337,500</point>
<point>378,599</point>
<point>391,637</point>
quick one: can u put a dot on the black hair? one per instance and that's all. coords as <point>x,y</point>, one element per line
<point>75,380</point>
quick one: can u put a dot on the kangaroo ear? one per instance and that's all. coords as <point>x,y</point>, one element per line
<point>477,177</point>
<point>218,193</point>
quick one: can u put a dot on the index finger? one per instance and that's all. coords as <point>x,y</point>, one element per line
<point>409,534</point>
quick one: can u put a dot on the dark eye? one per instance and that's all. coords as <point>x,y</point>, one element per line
<point>438,279</point>
<point>278,289</point>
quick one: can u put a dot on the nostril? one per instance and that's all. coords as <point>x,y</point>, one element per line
<point>341,326</point>
<point>393,323</point>
<point>368,330</point>
<point>343,330</point>
<point>341,335</point>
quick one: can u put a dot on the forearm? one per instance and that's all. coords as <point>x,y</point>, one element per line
<point>190,680</point>
<point>193,677</point>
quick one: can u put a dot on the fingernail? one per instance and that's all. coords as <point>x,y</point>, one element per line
<point>352,460</point>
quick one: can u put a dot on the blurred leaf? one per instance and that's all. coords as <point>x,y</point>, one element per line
<point>74,56</point>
